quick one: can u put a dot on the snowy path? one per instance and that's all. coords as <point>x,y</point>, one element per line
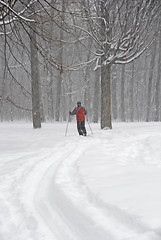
<point>43,189</point>
<point>75,212</point>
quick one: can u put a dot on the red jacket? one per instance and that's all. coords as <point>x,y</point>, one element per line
<point>80,113</point>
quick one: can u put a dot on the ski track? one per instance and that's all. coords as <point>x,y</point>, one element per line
<point>66,205</point>
<point>72,211</point>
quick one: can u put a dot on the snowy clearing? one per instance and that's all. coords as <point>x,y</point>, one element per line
<point>106,186</point>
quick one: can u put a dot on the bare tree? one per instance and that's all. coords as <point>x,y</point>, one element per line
<point>121,31</point>
<point>96,34</point>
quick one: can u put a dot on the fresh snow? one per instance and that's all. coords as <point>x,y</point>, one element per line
<point>106,186</point>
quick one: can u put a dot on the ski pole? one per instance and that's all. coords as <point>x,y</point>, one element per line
<point>67,126</point>
<point>89,126</point>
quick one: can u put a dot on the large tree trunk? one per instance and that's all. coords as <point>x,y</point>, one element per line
<point>105,70</point>
<point>152,64</point>
<point>106,97</point>
<point>36,116</point>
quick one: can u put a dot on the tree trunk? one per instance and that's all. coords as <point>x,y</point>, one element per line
<point>50,72</point>
<point>152,64</point>
<point>132,94</point>
<point>2,101</point>
<point>105,70</point>
<point>96,95</point>
<point>157,94</point>
<point>87,99</point>
<point>123,93</point>
<point>60,61</point>
<point>50,94</point>
<point>58,96</point>
<point>64,104</point>
<point>3,74</point>
<point>145,86</point>
<point>114,93</point>
<point>3,89</point>
<point>69,96</point>
<point>106,97</point>
<point>11,106</point>
<point>36,116</point>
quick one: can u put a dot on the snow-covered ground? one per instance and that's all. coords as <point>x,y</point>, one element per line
<point>106,186</point>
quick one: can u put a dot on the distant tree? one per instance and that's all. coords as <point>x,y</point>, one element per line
<point>150,80</point>
<point>12,13</point>
<point>158,82</point>
<point>69,43</point>
<point>96,96</point>
<point>123,93</point>
<point>17,17</point>
<point>132,93</point>
<point>114,92</point>
<point>60,63</point>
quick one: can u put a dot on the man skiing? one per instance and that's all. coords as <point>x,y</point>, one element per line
<point>80,115</point>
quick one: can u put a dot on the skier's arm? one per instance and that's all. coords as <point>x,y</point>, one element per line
<point>73,112</point>
<point>85,111</point>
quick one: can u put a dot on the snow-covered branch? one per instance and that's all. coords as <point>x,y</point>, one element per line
<point>16,15</point>
<point>8,100</point>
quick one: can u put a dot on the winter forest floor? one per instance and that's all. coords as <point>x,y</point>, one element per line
<point>106,186</point>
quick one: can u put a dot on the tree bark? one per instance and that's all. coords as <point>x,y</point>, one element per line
<point>3,77</point>
<point>50,72</point>
<point>123,93</point>
<point>50,94</point>
<point>132,93</point>
<point>96,97</point>
<point>36,116</point>
<point>157,94</point>
<point>11,106</point>
<point>106,97</point>
<point>60,61</point>
<point>87,97</point>
<point>87,90</point>
<point>105,70</point>
<point>114,93</point>
<point>152,64</point>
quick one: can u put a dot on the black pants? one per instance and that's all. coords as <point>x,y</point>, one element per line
<point>81,128</point>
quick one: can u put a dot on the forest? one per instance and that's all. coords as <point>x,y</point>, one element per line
<point>104,53</point>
